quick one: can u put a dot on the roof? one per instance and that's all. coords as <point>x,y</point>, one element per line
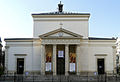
<point>61,13</point>
<point>95,38</point>
<point>18,39</point>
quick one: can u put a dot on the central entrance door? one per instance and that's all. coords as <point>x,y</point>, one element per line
<point>20,65</point>
<point>100,63</point>
<point>60,60</point>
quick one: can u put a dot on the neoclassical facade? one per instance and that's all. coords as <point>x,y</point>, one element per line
<point>60,45</point>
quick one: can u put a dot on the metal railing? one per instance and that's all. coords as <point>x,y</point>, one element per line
<point>59,78</point>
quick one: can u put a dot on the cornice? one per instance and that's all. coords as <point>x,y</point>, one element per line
<point>59,16</point>
<point>60,19</point>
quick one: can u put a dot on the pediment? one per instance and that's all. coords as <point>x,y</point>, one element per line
<point>60,33</point>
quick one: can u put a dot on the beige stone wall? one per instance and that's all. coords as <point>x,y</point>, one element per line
<point>90,51</point>
<point>46,24</point>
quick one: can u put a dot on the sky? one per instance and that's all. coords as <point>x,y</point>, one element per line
<point>16,20</point>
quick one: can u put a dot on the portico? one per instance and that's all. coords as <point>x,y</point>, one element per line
<point>60,59</point>
<point>60,53</point>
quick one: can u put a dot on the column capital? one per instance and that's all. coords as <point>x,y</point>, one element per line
<point>66,44</point>
<point>78,44</point>
<point>54,44</point>
<point>43,44</point>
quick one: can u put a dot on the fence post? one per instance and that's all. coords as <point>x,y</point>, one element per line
<point>33,77</point>
<point>14,76</point>
<point>97,78</point>
<point>60,77</point>
<point>4,77</point>
<point>52,78</point>
<point>116,77</point>
<point>22,78</point>
<point>105,77</point>
<point>69,79</point>
<point>87,77</point>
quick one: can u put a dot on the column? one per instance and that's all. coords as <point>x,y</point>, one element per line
<point>43,59</point>
<point>66,59</point>
<point>54,59</point>
<point>78,59</point>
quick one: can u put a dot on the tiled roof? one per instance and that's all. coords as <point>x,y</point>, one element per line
<point>61,13</point>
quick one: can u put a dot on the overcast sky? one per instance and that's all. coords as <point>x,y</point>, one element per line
<point>16,19</point>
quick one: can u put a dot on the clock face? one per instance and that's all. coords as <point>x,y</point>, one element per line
<point>60,34</point>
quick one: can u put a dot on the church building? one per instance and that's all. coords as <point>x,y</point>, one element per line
<point>60,46</point>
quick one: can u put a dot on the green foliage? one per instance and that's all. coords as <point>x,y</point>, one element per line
<point>1,70</point>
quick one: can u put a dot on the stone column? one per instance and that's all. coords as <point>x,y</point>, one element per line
<point>43,59</point>
<point>54,59</point>
<point>66,59</point>
<point>78,59</point>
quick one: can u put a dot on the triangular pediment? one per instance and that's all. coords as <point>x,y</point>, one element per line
<point>60,33</point>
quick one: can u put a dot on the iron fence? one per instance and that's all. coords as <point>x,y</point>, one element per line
<point>59,78</point>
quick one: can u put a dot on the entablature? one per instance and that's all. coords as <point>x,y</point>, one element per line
<point>60,41</point>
